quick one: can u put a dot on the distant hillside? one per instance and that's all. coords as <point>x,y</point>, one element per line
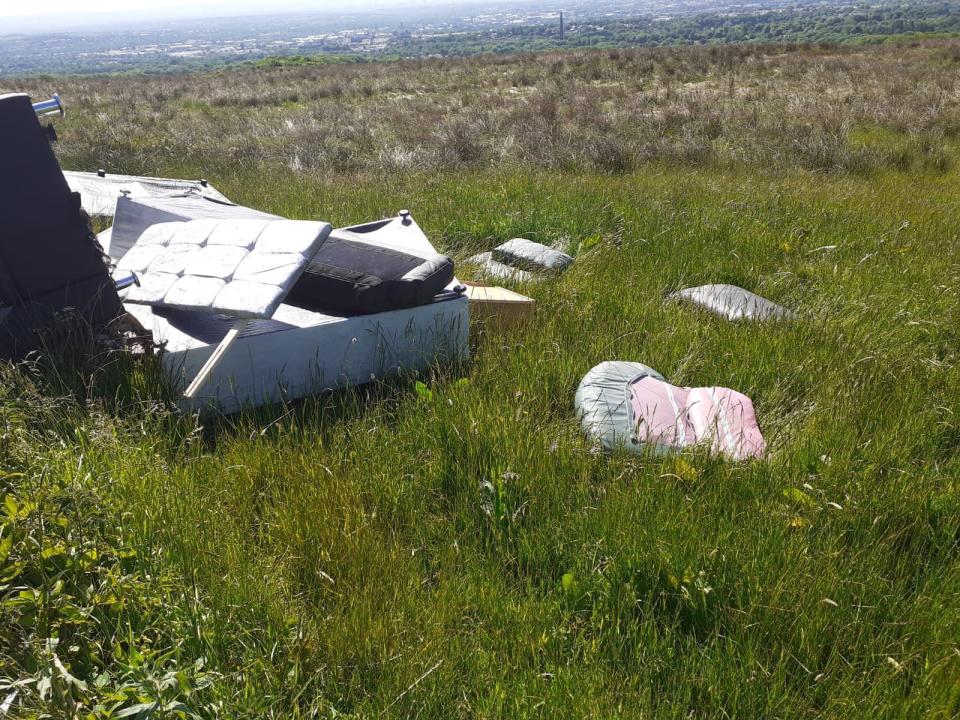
<point>179,47</point>
<point>860,22</point>
<point>830,107</point>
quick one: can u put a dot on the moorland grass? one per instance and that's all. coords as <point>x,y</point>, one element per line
<point>776,107</point>
<point>457,549</point>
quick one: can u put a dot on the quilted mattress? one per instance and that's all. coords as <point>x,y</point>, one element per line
<point>240,267</point>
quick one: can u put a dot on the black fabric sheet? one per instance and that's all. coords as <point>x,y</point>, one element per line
<point>48,262</point>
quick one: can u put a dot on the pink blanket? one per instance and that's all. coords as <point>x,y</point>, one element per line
<point>677,417</point>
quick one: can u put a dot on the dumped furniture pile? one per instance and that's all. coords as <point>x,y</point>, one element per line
<point>247,308</point>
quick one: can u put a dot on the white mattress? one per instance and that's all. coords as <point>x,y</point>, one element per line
<point>298,352</point>
<point>239,267</point>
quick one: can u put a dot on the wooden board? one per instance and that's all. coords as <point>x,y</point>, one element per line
<point>497,307</point>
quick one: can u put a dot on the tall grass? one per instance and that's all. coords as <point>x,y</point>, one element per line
<point>772,107</point>
<point>463,551</point>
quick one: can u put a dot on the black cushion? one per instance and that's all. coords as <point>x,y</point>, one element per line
<point>360,278</point>
<point>48,261</point>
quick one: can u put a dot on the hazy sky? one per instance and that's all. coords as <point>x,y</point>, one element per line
<point>48,8</point>
<point>71,7</point>
<point>92,7</point>
<point>64,15</point>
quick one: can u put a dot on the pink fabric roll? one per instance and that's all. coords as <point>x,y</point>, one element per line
<point>678,417</point>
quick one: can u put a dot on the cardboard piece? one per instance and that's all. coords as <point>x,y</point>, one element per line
<point>497,307</point>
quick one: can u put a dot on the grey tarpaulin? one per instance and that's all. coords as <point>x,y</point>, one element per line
<point>529,255</point>
<point>99,195</point>
<point>733,303</point>
<point>603,401</point>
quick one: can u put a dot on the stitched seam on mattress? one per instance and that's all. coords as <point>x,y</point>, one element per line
<point>344,274</point>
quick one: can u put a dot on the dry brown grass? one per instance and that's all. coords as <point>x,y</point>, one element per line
<point>824,108</point>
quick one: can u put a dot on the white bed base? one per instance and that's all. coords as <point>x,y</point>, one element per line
<point>299,353</point>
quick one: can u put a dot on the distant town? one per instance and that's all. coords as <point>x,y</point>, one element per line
<point>180,45</point>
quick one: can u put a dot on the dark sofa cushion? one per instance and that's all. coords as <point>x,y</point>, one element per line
<point>361,278</point>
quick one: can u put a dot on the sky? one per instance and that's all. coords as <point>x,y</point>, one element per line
<point>38,15</point>
<point>53,8</point>
<point>72,7</point>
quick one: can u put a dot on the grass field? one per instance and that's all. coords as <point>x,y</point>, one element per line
<point>457,549</point>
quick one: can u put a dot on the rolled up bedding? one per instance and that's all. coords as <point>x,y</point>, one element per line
<point>631,406</point>
<point>497,270</point>
<point>733,303</point>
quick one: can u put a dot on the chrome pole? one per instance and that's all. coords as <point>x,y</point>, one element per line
<point>126,281</point>
<point>53,106</point>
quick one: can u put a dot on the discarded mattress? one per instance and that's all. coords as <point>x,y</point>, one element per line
<point>136,214</point>
<point>531,256</point>
<point>242,267</point>
<point>48,260</point>
<point>631,406</point>
<point>357,272</point>
<point>497,270</point>
<point>733,303</point>
<point>99,193</point>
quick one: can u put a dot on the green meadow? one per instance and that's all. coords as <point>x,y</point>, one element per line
<point>449,544</point>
